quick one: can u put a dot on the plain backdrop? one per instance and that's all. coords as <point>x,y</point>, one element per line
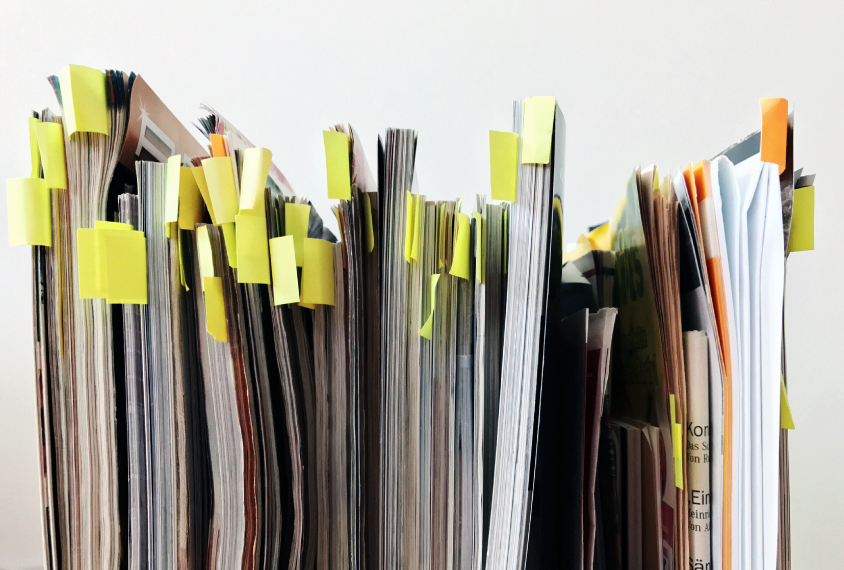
<point>639,83</point>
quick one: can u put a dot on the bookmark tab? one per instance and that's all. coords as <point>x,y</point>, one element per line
<point>538,129</point>
<point>199,177</point>
<point>205,254</point>
<point>418,207</point>
<point>480,247</point>
<point>253,257</point>
<point>427,329</point>
<point>318,272</point>
<point>677,439</point>
<point>215,308</point>
<point>126,266</point>
<point>218,145</point>
<point>51,150</point>
<point>84,103</point>
<point>253,180</point>
<point>296,218</point>
<point>285,276</point>
<point>103,225</point>
<point>786,420</point>
<point>368,231</point>
<point>337,164</point>
<point>774,130</point>
<point>230,239</point>
<point>503,165</point>
<point>460,262</point>
<point>802,237</point>
<point>221,189</point>
<point>28,209</point>
<point>411,227</point>
<point>35,154</point>
<point>190,200</point>
<point>171,189</point>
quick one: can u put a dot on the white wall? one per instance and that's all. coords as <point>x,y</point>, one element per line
<point>664,82</point>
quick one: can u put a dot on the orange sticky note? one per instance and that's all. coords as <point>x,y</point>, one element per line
<point>218,146</point>
<point>774,130</point>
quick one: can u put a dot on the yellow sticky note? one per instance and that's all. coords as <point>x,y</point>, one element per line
<point>285,276</point>
<point>368,231</point>
<point>427,329</point>
<point>84,103</point>
<point>538,129</point>
<point>506,239</point>
<point>600,238</point>
<point>480,247</point>
<point>411,227</point>
<point>802,236</point>
<point>51,150</point>
<point>219,177</point>
<point>28,209</point>
<point>296,218</point>
<point>103,225</point>
<point>204,254</point>
<point>337,165</point>
<point>418,216</point>
<point>786,420</point>
<point>199,177</point>
<point>253,178</point>
<point>215,308</point>
<point>230,238</point>
<point>190,200</point>
<point>171,189</point>
<point>503,165</point>
<point>318,272</point>
<point>125,254</point>
<point>253,256</point>
<point>678,455</point>
<point>460,262</point>
<point>441,238</point>
<point>35,154</point>
<point>89,265</point>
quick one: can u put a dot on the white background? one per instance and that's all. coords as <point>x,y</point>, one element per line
<point>663,82</point>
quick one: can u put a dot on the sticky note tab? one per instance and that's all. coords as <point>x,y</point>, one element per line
<point>678,456</point>
<point>34,152</point>
<point>600,237</point>
<point>84,103</point>
<point>253,179</point>
<point>318,272</point>
<point>230,239</point>
<point>296,218</point>
<point>253,256</point>
<point>427,329</point>
<point>786,420</point>
<point>503,165</point>
<point>51,150</point>
<point>441,238</point>
<point>368,230</point>
<point>410,228</point>
<point>171,189</point>
<point>215,308</point>
<point>199,177</point>
<point>480,246</point>
<point>460,262</point>
<point>677,439</point>
<point>219,177</point>
<point>28,209</point>
<point>285,276</point>
<point>204,253</point>
<point>774,130</point>
<point>538,129</point>
<point>802,236</point>
<point>218,145</point>
<point>126,266</point>
<point>190,200</point>
<point>337,165</point>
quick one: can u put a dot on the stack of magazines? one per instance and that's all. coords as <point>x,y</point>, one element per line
<point>224,383</point>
